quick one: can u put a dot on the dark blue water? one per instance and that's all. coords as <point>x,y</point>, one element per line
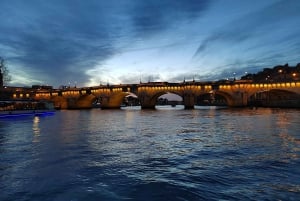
<point>164,154</point>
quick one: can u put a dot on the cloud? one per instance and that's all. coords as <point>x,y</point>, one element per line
<point>59,41</point>
<point>135,78</point>
<point>62,41</point>
<point>149,17</point>
<point>265,24</point>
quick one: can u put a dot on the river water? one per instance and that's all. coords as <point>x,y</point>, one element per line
<point>165,154</point>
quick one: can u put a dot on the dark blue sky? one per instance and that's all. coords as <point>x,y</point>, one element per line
<point>62,42</point>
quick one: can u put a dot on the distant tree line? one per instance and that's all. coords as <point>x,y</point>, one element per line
<point>275,74</point>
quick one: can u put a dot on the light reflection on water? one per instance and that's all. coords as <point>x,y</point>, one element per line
<point>163,154</point>
<point>36,128</point>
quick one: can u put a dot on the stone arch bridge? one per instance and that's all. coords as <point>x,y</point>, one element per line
<point>237,93</point>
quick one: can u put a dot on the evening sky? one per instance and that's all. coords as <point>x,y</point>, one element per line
<point>92,42</point>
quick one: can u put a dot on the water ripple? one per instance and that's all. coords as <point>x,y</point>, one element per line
<point>202,154</point>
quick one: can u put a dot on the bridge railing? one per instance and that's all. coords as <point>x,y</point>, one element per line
<point>27,93</point>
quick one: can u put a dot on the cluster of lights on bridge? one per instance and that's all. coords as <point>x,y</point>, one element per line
<point>44,93</point>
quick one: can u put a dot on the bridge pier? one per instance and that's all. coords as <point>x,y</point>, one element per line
<point>147,101</point>
<point>112,101</point>
<point>60,102</point>
<point>240,99</point>
<point>189,107</point>
<point>189,101</point>
<point>148,107</point>
<point>110,107</point>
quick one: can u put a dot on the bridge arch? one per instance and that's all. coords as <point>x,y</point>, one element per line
<point>114,100</point>
<point>228,97</point>
<point>85,101</point>
<point>275,98</point>
<point>211,98</point>
<point>287,90</point>
<point>152,98</point>
<point>60,102</point>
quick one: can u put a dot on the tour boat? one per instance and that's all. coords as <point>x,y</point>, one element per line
<point>25,108</point>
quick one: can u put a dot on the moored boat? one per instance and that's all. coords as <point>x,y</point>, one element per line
<point>25,108</point>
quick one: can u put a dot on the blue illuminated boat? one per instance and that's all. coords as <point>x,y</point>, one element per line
<point>25,108</point>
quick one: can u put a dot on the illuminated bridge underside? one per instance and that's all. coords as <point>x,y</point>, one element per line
<point>236,94</point>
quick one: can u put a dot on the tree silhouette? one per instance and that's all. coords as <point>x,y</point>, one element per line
<point>4,73</point>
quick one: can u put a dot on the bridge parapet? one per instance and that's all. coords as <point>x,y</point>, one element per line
<point>148,93</point>
<point>236,93</point>
<point>252,88</point>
